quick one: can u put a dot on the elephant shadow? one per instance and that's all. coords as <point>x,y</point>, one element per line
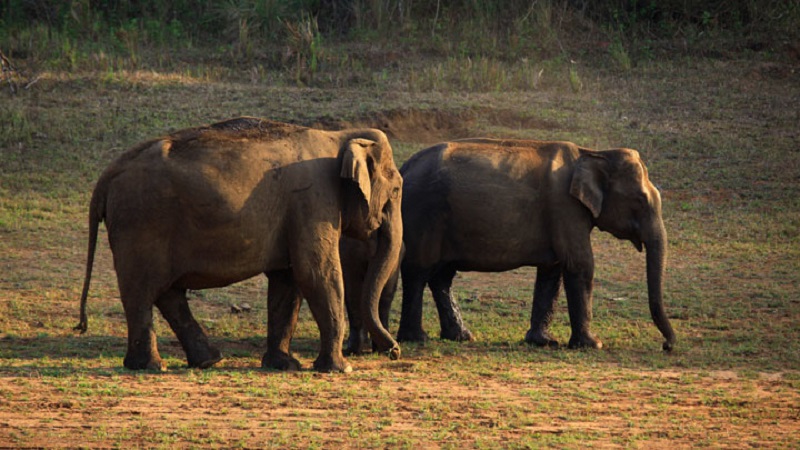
<point>75,353</point>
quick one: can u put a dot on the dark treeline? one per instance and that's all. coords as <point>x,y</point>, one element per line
<point>213,19</point>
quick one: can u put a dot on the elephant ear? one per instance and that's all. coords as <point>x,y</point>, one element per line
<point>356,167</point>
<point>588,181</point>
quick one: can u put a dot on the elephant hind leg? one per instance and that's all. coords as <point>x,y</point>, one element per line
<point>143,276</point>
<point>175,309</point>
<point>450,320</point>
<point>283,306</point>
<point>142,353</point>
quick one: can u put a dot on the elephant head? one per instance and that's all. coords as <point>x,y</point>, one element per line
<point>372,210</point>
<point>615,187</point>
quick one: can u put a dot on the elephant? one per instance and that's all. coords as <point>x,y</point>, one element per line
<point>209,206</point>
<point>355,256</point>
<point>493,205</point>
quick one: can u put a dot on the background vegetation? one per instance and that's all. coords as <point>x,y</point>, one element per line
<point>707,91</point>
<point>303,36</point>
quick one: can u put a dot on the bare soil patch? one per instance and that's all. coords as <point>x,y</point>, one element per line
<point>405,401</point>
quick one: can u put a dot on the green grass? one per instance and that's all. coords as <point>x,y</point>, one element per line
<point>719,138</point>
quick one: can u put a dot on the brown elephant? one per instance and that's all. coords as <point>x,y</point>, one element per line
<point>209,206</point>
<point>494,205</point>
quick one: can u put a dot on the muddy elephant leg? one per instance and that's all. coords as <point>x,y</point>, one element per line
<point>545,293</point>
<point>142,351</point>
<point>283,306</point>
<point>578,287</point>
<point>318,275</point>
<point>450,320</point>
<point>175,309</point>
<point>414,281</point>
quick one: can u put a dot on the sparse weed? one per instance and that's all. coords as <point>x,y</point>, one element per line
<point>620,55</point>
<point>575,81</point>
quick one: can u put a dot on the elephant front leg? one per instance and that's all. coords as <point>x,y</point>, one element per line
<point>450,320</point>
<point>327,306</point>
<point>414,280</point>
<point>578,286</point>
<point>175,309</point>
<point>283,306</point>
<point>545,293</point>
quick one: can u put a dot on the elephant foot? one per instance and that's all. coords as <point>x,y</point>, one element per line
<point>359,350</point>
<point>412,335</point>
<point>204,359</point>
<point>280,361</point>
<point>329,364</point>
<point>152,363</point>
<point>540,338</point>
<point>459,335</point>
<point>585,341</point>
<point>358,347</point>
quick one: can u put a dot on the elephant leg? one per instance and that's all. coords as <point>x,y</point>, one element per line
<point>283,306</point>
<point>414,281</point>
<point>450,320</point>
<point>142,351</point>
<point>142,269</point>
<point>175,309</point>
<point>545,293</point>
<point>358,340</point>
<point>578,287</point>
<point>319,277</point>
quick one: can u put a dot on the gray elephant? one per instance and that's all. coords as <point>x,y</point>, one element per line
<point>494,205</point>
<point>209,206</point>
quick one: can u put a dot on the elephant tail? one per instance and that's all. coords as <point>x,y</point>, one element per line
<point>96,215</point>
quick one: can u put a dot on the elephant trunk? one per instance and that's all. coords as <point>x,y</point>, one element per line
<point>656,246</point>
<point>382,265</point>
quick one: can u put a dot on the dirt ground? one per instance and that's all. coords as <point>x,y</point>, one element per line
<point>511,397</point>
<point>404,404</point>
